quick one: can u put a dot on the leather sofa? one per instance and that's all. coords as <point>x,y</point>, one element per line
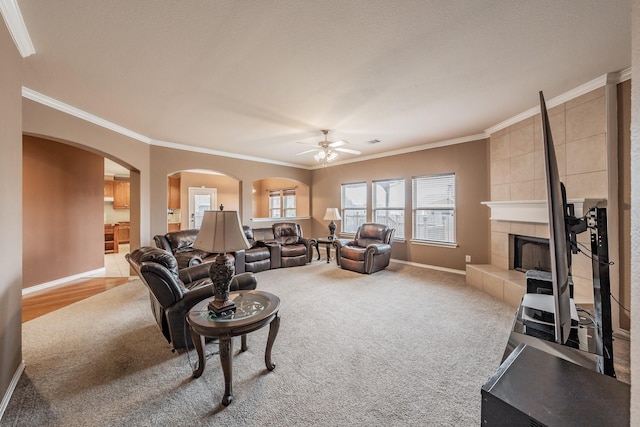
<point>369,251</point>
<point>174,291</point>
<point>281,245</point>
<point>180,245</point>
<point>263,249</point>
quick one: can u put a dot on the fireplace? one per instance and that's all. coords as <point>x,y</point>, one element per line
<point>530,253</point>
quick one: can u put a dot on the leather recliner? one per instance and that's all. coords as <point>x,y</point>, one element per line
<point>369,251</point>
<point>295,250</point>
<point>174,292</point>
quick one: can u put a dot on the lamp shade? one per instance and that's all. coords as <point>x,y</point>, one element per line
<point>332,214</point>
<point>221,232</point>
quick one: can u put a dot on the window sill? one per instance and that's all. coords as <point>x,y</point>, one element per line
<point>295,218</point>
<point>438,244</point>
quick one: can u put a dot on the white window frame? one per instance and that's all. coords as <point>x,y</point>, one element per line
<point>383,212</point>
<point>434,205</point>
<point>289,195</point>
<point>278,203</point>
<point>349,211</point>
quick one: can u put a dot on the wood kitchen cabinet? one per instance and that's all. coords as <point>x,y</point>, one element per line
<point>121,194</point>
<point>111,238</point>
<point>123,232</point>
<point>174,193</point>
<point>108,189</point>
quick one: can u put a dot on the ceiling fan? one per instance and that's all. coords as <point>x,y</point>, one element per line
<point>327,151</point>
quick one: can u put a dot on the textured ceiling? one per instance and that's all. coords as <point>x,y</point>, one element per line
<point>254,77</point>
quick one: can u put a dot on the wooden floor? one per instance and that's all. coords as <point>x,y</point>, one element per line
<point>42,302</point>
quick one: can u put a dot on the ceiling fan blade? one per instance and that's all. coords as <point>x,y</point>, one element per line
<point>347,150</point>
<point>307,151</point>
<point>338,143</point>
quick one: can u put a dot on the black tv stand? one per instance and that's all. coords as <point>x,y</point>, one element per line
<point>591,343</point>
<point>535,388</point>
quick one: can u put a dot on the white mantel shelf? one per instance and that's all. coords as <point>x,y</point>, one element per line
<point>535,211</point>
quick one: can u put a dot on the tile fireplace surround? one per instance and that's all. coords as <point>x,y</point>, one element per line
<point>581,129</point>
<point>499,279</point>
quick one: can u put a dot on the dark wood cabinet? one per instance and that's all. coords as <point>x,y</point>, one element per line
<point>121,197</point>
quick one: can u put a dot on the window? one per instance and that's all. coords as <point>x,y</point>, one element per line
<point>388,204</point>
<point>354,206</point>
<point>434,208</point>
<point>289,202</point>
<point>282,203</point>
<point>274,204</point>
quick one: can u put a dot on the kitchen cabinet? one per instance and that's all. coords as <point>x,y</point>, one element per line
<point>121,197</point>
<point>174,193</point>
<point>123,232</point>
<point>111,238</point>
<point>173,226</point>
<point>108,189</point>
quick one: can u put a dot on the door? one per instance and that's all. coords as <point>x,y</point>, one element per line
<point>200,199</point>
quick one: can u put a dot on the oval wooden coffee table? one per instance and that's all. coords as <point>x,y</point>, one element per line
<point>254,309</point>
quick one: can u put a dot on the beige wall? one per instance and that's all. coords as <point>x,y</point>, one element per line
<point>469,161</point>
<point>11,225</point>
<point>166,161</point>
<point>62,205</point>
<point>635,213</point>
<point>261,196</point>
<point>40,120</point>
<point>624,197</point>
<point>227,192</point>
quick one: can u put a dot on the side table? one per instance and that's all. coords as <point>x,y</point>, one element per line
<point>328,243</point>
<point>254,309</point>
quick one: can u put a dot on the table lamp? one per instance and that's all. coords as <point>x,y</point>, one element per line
<point>221,232</point>
<point>332,214</point>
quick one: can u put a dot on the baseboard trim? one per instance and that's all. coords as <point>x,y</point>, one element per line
<point>12,386</point>
<point>57,282</point>
<point>622,334</point>
<point>432,267</point>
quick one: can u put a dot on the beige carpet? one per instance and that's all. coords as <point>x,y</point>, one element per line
<point>406,346</point>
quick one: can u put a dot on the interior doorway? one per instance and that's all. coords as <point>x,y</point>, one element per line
<point>200,199</point>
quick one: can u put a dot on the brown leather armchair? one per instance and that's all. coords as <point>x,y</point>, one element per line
<point>295,250</point>
<point>369,252</point>
<point>173,292</point>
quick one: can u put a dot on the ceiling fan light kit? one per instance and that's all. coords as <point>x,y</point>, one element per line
<point>327,151</point>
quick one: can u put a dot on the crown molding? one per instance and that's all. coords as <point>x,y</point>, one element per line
<point>202,150</point>
<point>76,112</point>
<point>601,81</point>
<point>17,28</point>
<point>622,76</point>
<point>596,83</point>
<point>437,144</point>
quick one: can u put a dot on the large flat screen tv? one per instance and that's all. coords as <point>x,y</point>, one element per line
<point>556,199</point>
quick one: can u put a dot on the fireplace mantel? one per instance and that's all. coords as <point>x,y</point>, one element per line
<point>535,211</point>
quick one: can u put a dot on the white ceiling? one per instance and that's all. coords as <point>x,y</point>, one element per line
<point>253,77</point>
